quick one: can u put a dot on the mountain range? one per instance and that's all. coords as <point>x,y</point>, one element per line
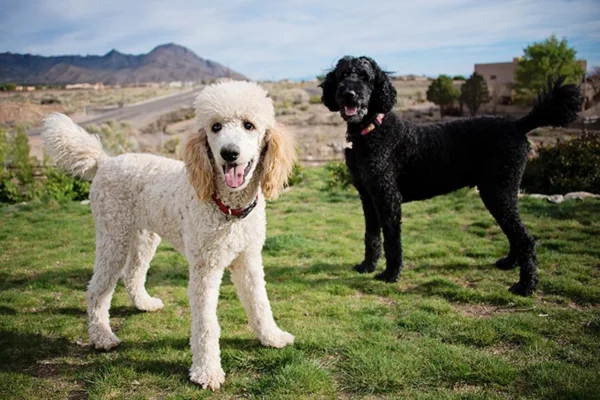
<point>165,63</point>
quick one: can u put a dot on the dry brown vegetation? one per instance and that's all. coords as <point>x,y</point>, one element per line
<point>32,106</point>
<point>320,134</point>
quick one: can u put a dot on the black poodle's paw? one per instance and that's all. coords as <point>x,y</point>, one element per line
<point>387,276</point>
<point>364,267</point>
<point>522,289</point>
<point>506,263</point>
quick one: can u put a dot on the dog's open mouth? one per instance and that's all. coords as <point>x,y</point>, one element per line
<point>350,110</point>
<point>235,174</point>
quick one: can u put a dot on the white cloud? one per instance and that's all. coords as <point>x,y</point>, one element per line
<point>275,39</point>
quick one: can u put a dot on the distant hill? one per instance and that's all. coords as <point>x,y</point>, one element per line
<point>165,63</point>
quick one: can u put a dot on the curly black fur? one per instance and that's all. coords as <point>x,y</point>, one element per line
<point>399,161</point>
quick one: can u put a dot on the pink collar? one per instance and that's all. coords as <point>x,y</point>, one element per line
<point>376,122</point>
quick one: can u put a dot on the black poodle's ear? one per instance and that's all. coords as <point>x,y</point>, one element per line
<point>383,98</point>
<point>329,86</point>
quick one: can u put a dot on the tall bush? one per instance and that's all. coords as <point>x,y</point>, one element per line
<point>443,93</point>
<point>568,166</point>
<point>474,92</point>
<point>22,178</point>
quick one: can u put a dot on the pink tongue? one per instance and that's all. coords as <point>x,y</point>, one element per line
<point>350,110</point>
<point>234,176</point>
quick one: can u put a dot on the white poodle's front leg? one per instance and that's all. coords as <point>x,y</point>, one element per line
<point>249,279</point>
<point>203,292</point>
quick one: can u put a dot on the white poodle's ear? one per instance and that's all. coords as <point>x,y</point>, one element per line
<point>198,165</point>
<point>278,162</point>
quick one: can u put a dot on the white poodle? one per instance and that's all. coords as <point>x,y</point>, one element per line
<point>211,209</point>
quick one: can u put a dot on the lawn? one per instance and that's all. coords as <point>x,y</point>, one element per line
<point>448,329</point>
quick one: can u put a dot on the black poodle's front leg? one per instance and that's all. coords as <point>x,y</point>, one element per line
<point>389,210</point>
<point>372,234</point>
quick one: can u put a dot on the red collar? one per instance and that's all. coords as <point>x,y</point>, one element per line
<point>374,124</point>
<point>240,213</point>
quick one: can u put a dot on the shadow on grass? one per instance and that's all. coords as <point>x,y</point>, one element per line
<point>454,267</point>
<point>327,277</point>
<point>42,356</point>
<point>7,310</point>
<point>77,279</point>
<point>20,352</point>
<point>119,311</point>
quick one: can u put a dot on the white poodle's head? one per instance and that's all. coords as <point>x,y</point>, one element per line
<point>237,132</point>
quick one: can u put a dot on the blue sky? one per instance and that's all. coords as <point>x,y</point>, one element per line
<point>297,39</point>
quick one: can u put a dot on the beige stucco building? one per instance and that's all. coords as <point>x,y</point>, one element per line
<point>500,78</point>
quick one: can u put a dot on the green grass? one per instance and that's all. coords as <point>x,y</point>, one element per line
<point>449,329</point>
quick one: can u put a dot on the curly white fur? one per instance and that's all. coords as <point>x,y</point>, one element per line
<point>137,197</point>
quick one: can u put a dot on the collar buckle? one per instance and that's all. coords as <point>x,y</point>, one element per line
<point>230,213</point>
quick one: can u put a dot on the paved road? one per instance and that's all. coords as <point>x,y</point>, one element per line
<point>141,110</point>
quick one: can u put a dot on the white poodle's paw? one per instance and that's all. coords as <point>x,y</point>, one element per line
<point>277,338</point>
<point>150,304</point>
<point>102,339</point>
<point>207,378</point>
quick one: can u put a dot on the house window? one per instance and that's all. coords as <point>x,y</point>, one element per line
<point>493,77</point>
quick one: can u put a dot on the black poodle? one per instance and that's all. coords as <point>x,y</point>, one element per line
<point>394,161</point>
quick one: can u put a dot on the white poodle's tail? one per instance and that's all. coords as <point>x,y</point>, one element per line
<point>71,147</point>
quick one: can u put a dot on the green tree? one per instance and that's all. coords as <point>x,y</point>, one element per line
<point>442,92</point>
<point>474,93</point>
<point>543,59</point>
<point>8,87</point>
<point>458,78</point>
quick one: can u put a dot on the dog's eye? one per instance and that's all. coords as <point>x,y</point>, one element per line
<point>216,127</point>
<point>248,126</point>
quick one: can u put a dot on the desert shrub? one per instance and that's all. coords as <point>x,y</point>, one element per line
<point>172,117</point>
<point>315,99</point>
<point>50,100</point>
<point>338,176</point>
<point>171,147</point>
<point>284,109</point>
<point>419,97</point>
<point>285,100</point>
<point>116,136</point>
<point>568,166</point>
<point>297,175</point>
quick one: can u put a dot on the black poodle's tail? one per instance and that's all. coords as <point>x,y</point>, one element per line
<point>557,105</point>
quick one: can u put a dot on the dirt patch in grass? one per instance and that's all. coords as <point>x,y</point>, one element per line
<point>386,301</point>
<point>58,369</point>
<point>465,388</point>
<point>478,310</point>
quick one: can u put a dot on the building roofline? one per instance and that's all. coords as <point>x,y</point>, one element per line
<point>496,63</point>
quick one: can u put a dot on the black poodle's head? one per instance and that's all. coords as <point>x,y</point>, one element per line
<point>358,88</point>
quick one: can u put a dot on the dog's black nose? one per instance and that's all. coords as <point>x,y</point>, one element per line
<point>350,95</point>
<point>230,152</point>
